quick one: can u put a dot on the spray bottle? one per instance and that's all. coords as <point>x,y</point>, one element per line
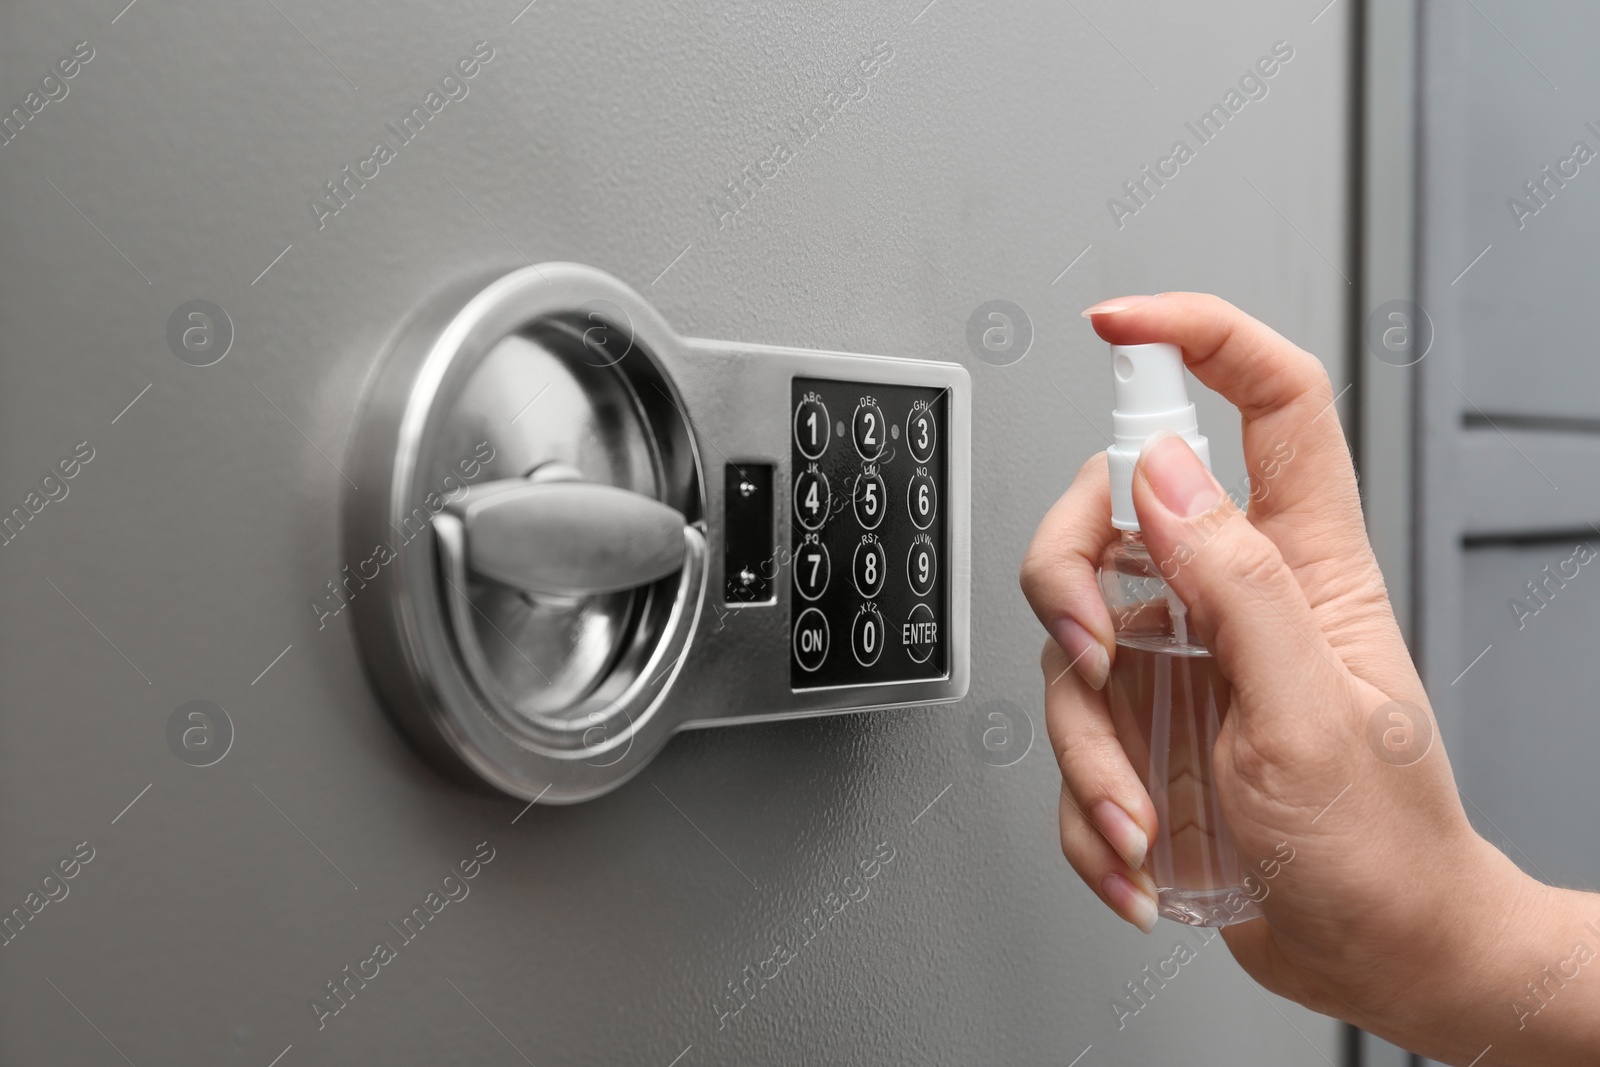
<point>1168,699</point>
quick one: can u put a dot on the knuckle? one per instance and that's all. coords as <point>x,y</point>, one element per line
<point>1250,558</point>
<point>1031,575</point>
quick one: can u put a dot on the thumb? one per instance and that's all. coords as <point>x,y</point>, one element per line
<point>1243,602</point>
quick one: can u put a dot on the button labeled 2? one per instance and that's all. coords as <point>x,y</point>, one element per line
<point>868,429</point>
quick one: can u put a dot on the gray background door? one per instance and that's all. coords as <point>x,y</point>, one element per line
<point>181,561</point>
<point>1508,409</point>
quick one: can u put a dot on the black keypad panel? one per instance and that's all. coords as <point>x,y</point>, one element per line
<point>868,490</point>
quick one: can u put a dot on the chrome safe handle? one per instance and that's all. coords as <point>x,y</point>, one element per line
<point>570,538</point>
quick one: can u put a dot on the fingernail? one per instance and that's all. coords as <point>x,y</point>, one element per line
<point>1125,835</point>
<point>1128,902</point>
<point>1181,482</point>
<point>1121,303</point>
<point>1085,655</point>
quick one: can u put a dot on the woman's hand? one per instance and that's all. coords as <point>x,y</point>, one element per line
<point>1392,912</point>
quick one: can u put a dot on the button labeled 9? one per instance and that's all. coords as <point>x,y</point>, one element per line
<point>922,565</point>
<point>870,566</point>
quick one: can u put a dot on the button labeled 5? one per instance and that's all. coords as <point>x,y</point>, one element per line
<point>869,498</point>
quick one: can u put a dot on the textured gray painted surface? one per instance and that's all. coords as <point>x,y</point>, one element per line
<point>183,559</point>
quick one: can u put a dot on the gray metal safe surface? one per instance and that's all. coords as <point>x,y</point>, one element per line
<point>180,559</point>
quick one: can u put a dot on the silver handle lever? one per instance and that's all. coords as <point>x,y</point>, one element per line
<point>570,538</point>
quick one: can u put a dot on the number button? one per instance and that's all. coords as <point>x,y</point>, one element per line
<point>921,433</point>
<point>869,567</point>
<point>811,570</point>
<point>811,430</point>
<point>811,499</point>
<point>922,565</point>
<point>810,639</point>
<point>869,499</point>
<point>866,635</point>
<point>922,500</point>
<point>920,633</point>
<point>868,429</point>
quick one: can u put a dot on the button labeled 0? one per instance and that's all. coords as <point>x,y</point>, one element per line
<point>866,635</point>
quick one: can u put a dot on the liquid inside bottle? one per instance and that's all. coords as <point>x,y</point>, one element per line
<point>1168,702</point>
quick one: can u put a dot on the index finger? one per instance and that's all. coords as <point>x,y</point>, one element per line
<point>1303,486</point>
<point>1059,572</point>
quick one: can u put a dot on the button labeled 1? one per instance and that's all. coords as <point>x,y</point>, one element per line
<point>811,429</point>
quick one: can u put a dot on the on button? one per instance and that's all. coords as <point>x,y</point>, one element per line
<point>920,633</point>
<point>810,639</point>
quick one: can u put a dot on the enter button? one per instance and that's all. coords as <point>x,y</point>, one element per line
<point>919,633</point>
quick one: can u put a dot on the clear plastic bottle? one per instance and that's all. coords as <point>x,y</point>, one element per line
<point>1168,699</point>
<point>1168,702</point>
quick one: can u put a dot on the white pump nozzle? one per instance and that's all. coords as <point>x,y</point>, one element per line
<point>1151,396</point>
